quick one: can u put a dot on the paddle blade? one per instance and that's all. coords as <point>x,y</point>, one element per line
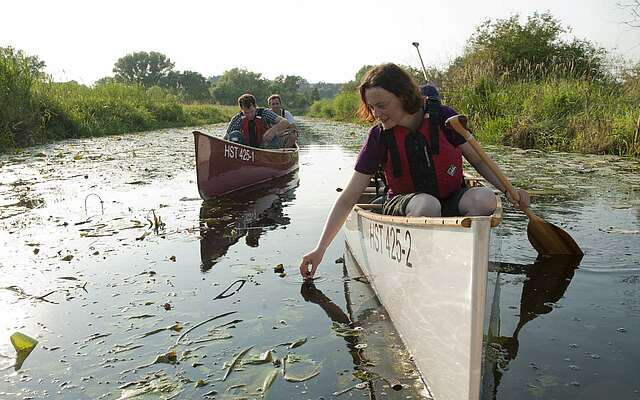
<point>549,239</point>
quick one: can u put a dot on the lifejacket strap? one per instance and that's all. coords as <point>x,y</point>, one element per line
<point>390,138</point>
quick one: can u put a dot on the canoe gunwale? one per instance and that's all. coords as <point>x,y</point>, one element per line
<point>276,151</point>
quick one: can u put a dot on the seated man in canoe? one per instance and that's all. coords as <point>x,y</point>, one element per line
<point>258,127</point>
<point>275,104</point>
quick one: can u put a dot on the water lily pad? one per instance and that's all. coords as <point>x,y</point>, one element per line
<point>23,345</point>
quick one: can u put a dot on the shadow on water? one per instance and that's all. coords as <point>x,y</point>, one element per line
<point>248,213</point>
<point>545,283</point>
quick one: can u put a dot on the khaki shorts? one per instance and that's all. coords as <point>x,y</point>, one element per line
<point>397,205</point>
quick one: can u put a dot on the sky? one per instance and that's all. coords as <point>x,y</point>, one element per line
<point>324,41</point>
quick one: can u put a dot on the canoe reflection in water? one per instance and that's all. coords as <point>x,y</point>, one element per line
<point>546,283</point>
<point>247,213</point>
<point>368,334</point>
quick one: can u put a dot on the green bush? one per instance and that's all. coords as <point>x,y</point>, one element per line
<point>345,105</point>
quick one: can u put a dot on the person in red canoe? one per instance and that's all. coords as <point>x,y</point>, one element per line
<point>256,126</point>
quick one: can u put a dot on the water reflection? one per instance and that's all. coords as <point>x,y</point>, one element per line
<point>248,214</point>
<point>341,321</point>
<point>546,282</point>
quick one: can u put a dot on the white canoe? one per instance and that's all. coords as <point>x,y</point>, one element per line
<point>430,274</point>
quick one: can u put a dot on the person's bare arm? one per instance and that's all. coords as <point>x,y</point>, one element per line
<point>337,216</point>
<point>280,126</point>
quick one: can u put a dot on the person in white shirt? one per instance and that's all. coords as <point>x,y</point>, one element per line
<point>275,104</point>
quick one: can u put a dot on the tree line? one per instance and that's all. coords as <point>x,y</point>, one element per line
<point>156,69</point>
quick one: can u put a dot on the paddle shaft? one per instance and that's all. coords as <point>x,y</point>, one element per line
<point>546,238</point>
<point>424,70</point>
<point>458,126</point>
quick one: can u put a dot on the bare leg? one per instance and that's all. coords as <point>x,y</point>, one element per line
<point>478,201</point>
<point>423,205</point>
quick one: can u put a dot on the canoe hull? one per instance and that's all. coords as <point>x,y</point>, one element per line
<point>431,278</point>
<point>224,167</point>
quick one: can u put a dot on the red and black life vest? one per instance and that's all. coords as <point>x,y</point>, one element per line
<point>253,129</point>
<point>422,162</point>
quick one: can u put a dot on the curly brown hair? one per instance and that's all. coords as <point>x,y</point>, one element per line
<point>394,79</point>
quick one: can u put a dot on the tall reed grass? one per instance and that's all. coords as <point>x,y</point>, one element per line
<point>545,107</point>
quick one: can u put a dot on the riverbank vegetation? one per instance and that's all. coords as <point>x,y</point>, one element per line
<point>145,93</point>
<point>527,85</point>
<point>36,110</point>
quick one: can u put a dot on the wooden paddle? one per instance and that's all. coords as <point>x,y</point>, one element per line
<point>545,237</point>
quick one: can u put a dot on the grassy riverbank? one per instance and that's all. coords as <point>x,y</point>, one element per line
<point>35,110</point>
<point>529,85</point>
<point>566,114</point>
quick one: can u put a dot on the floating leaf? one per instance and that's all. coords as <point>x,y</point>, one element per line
<point>22,342</point>
<point>298,343</point>
<point>143,316</point>
<point>268,381</point>
<point>234,361</point>
<point>144,235</point>
<point>23,345</point>
<point>298,378</point>
<point>167,358</point>
<point>344,331</point>
<point>69,278</point>
<point>302,378</point>
<point>263,358</point>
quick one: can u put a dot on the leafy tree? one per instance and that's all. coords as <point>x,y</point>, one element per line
<point>236,82</point>
<point>315,94</point>
<point>288,87</point>
<point>325,90</point>
<point>535,48</point>
<point>33,63</point>
<point>353,85</point>
<point>146,69</point>
<point>105,81</point>
<point>190,85</point>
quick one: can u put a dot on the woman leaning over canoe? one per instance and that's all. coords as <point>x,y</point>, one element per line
<point>427,182</point>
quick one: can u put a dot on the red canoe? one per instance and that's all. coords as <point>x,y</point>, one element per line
<point>224,167</point>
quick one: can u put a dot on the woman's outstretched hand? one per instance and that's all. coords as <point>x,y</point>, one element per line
<point>522,201</point>
<point>313,258</point>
